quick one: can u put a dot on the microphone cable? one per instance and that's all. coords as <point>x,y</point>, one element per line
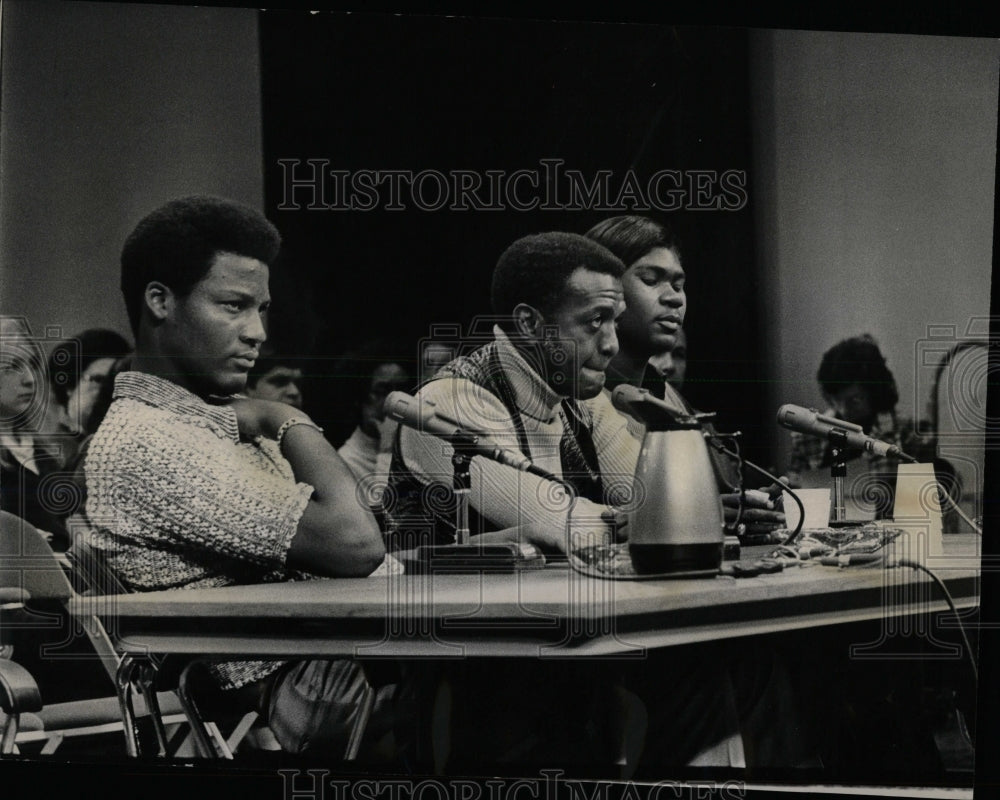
<point>712,439</point>
<point>902,562</point>
<point>909,562</point>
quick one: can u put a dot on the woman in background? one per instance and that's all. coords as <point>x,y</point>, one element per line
<point>79,368</point>
<point>858,387</point>
<point>26,461</point>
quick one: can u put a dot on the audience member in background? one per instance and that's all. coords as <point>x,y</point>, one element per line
<point>78,370</point>
<point>275,377</point>
<point>370,374</point>
<point>670,366</point>
<point>76,516</point>
<point>27,464</point>
<point>858,387</point>
<point>434,356</point>
<point>655,305</point>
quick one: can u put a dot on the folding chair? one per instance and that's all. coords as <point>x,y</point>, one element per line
<point>153,676</point>
<point>32,573</point>
<point>199,696</point>
<point>19,693</point>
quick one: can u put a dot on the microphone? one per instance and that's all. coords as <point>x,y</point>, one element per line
<point>628,399</point>
<point>810,421</point>
<point>650,409</point>
<point>425,416</point>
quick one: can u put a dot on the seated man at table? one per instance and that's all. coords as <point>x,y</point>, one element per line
<point>556,296</point>
<point>190,486</point>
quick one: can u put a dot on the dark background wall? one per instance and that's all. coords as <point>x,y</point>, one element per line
<point>380,92</point>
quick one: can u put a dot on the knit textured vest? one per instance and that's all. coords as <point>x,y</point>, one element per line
<point>421,513</point>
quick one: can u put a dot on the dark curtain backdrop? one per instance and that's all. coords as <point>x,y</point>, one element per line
<point>414,93</point>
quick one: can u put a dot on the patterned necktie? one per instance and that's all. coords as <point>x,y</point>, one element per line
<point>578,455</point>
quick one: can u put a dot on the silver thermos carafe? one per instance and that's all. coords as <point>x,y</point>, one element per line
<point>677,525</point>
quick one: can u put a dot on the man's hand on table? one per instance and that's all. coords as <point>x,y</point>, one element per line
<point>761,511</point>
<point>549,539</point>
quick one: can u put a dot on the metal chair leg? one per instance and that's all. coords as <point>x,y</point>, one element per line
<point>52,744</point>
<point>145,679</point>
<point>7,746</point>
<point>240,731</point>
<point>124,677</point>
<point>219,741</point>
<point>204,735</point>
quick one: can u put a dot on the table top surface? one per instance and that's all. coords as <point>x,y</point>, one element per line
<point>518,613</point>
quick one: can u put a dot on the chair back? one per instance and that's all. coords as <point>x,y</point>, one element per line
<point>958,408</point>
<point>27,562</point>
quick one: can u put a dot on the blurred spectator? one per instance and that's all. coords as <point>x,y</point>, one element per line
<point>26,464</point>
<point>79,368</point>
<point>670,366</point>
<point>371,374</point>
<point>276,377</point>
<point>858,387</point>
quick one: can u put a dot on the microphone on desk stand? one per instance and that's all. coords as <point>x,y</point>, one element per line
<point>842,435</point>
<point>427,417</point>
<point>812,423</point>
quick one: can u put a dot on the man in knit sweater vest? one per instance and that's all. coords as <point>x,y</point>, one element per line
<point>556,297</point>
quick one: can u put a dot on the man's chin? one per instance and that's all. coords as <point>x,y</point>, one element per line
<point>589,386</point>
<point>662,341</point>
<point>227,384</point>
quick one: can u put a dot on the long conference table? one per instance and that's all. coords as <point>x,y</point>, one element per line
<point>549,612</point>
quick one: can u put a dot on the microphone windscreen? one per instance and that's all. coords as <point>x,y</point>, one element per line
<point>624,395</point>
<point>396,404</point>
<point>785,414</point>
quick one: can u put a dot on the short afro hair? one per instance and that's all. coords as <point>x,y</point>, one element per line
<point>631,237</point>
<point>70,358</point>
<point>535,270</point>
<point>264,364</point>
<point>176,244</point>
<point>858,360</point>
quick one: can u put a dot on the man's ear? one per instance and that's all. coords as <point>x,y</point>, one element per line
<point>159,299</point>
<point>528,320</point>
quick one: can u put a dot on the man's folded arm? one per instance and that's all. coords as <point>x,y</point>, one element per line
<point>336,535</point>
